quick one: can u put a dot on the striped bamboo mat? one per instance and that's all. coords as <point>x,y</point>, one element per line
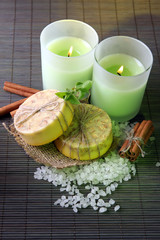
<point>26,205</point>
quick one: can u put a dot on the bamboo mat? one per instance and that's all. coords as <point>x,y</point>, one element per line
<point>26,204</point>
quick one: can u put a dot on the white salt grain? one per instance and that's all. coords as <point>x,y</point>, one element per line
<point>111,201</point>
<point>102,210</point>
<point>100,202</point>
<point>57,202</point>
<point>158,164</point>
<point>102,193</point>
<point>116,208</point>
<point>107,204</point>
<point>95,208</point>
<point>112,187</point>
<point>75,209</point>
<point>96,196</point>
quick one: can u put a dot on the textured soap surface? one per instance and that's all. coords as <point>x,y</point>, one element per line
<point>89,136</point>
<point>43,117</point>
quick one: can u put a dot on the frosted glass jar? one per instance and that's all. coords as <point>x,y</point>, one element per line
<point>61,72</point>
<point>120,96</point>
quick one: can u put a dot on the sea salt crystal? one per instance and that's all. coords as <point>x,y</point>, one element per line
<point>115,184</point>
<point>85,204</point>
<point>62,203</point>
<point>102,210</point>
<point>90,195</point>
<point>102,193</point>
<point>116,208</point>
<point>92,203</point>
<point>158,164</point>
<point>96,188</point>
<point>78,205</point>
<point>96,196</point>
<point>57,202</point>
<point>66,205</point>
<point>71,193</point>
<point>112,187</point>
<point>93,191</point>
<point>107,204</point>
<point>126,178</point>
<point>77,190</point>
<point>63,197</point>
<point>68,188</point>
<point>108,190</point>
<point>75,209</point>
<point>111,201</point>
<point>62,189</point>
<point>95,208</point>
<point>38,176</point>
<point>100,202</point>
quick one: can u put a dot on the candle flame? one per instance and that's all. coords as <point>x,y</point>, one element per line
<point>70,51</point>
<point>120,70</point>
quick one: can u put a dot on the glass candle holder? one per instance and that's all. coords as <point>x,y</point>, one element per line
<point>61,69</point>
<point>120,94</point>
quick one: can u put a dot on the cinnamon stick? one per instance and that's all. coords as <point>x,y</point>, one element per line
<point>19,89</point>
<point>126,142</point>
<point>12,113</point>
<point>10,107</point>
<point>133,156</point>
<point>142,133</point>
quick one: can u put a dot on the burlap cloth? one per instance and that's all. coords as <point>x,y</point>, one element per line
<point>45,154</point>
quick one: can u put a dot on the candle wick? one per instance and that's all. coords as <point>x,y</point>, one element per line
<point>120,70</point>
<point>118,73</point>
<point>70,51</point>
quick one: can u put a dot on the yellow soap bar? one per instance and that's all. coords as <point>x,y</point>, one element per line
<point>43,117</point>
<point>89,136</point>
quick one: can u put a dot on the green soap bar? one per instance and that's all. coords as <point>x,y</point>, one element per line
<point>89,136</point>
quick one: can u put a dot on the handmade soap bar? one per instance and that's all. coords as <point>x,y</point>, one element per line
<point>43,117</point>
<point>89,136</point>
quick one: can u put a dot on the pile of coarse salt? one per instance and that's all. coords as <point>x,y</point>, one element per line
<point>99,179</point>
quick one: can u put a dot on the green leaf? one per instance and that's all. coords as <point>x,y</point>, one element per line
<point>75,94</point>
<point>67,96</point>
<point>78,85</point>
<point>81,94</point>
<point>61,94</point>
<point>86,85</point>
<point>73,99</point>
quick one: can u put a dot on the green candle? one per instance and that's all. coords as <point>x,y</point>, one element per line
<point>117,95</point>
<point>63,71</point>
<point>60,70</point>
<point>120,95</point>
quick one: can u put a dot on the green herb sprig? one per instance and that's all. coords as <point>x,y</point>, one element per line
<point>77,93</point>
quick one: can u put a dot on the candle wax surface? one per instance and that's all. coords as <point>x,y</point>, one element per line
<point>61,46</point>
<point>112,63</point>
